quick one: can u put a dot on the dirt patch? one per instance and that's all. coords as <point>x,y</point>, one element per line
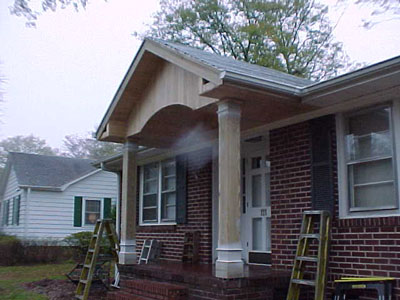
<point>63,289</point>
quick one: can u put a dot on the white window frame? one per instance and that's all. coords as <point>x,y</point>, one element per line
<point>159,195</point>
<point>84,199</point>
<point>343,183</point>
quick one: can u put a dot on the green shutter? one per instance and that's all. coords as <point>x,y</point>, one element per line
<point>78,212</point>
<point>14,212</point>
<point>6,212</point>
<point>322,165</point>
<point>107,208</point>
<point>181,189</point>
<point>18,210</point>
<point>4,219</point>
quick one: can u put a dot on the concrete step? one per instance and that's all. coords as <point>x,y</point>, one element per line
<point>154,289</point>
<point>122,295</point>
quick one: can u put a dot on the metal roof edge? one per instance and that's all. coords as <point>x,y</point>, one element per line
<point>119,91</point>
<point>349,78</point>
<point>271,85</point>
<point>66,185</point>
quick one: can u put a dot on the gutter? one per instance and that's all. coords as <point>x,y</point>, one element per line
<point>271,85</point>
<point>41,188</point>
<point>392,65</point>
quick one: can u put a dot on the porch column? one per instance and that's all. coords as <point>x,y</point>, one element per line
<point>127,254</point>
<point>229,263</point>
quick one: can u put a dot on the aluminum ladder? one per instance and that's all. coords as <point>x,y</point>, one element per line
<point>85,280</point>
<point>309,232</point>
<point>150,251</point>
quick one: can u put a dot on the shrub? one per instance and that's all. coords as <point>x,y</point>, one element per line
<point>10,249</point>
<point>81,240</point>
<point>16,252</point>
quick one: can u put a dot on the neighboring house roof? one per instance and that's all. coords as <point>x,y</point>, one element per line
<point>231,65</point>
<point>47,172</point>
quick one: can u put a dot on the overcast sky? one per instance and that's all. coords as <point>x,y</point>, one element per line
<point>61,76</point>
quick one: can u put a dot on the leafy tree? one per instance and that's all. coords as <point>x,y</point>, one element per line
<point>24,8</point>
<point>27,144</point>
<point>88,147</point>
<point>387,7</point>
<point>294,36</point>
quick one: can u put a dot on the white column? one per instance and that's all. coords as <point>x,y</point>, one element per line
<point>229,263</point>
<point>127,254</point>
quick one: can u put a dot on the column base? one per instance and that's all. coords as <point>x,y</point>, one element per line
<point>229,264</point>
<point>127,254</point>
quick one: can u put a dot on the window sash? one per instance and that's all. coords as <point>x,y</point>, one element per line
<point>166,174</point>
<point>352,162</point>
<point>87,212</point>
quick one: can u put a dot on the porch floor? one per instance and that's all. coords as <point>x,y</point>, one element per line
<point>260,282</point>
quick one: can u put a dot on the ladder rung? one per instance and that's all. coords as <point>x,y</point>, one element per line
<point>315,212</point>
<point>83,281</point>
<point>91,250</point>
<point>304,282</point>
<point>79,297</point>
<point>307,258</point>
<point>86,266</point>
<point>310,235</point>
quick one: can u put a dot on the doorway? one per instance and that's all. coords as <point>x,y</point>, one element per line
<point>256,202</point>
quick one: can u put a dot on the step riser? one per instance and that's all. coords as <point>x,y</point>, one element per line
<point>154,296</point>
<point>154,290</point>
<point>124,296</point>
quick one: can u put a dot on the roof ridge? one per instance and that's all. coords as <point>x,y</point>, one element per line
<point>174,45</point>
<point>51,156</point>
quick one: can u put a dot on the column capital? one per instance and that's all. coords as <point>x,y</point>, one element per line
<point>227,106</point>
<point>130,146</point>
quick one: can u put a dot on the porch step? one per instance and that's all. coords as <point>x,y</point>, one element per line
<point>121,295</point>
<point>154,289</point>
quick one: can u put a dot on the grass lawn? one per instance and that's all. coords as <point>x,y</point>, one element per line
<point>12,277</point>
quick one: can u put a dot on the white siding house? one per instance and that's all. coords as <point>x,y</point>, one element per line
<point>49,197</point>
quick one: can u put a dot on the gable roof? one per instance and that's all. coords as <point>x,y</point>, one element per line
<point>231,66</point>
<point>211,65</point>
<point>221,70</point>
<point>48,172</point>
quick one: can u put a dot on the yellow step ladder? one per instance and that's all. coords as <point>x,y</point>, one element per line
<point>309,232</point>
<point>85,281</point>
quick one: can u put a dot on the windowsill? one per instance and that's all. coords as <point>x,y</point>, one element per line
<point>370,216</point>
<point>373,209</point>
<point>157,224</point>
<point>88,226</point>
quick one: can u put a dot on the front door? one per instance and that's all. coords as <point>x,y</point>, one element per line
<point>256,207</point>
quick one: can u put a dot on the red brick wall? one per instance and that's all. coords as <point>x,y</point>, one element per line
<point>359,247</point>
<point>290,189</point>
<point>199,216</point>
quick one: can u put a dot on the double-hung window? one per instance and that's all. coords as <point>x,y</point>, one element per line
<point>367,164</point>
<point>158,192</point>
<point>92,211</point>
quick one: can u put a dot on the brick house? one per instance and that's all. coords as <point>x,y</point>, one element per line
<point>236,152</point>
